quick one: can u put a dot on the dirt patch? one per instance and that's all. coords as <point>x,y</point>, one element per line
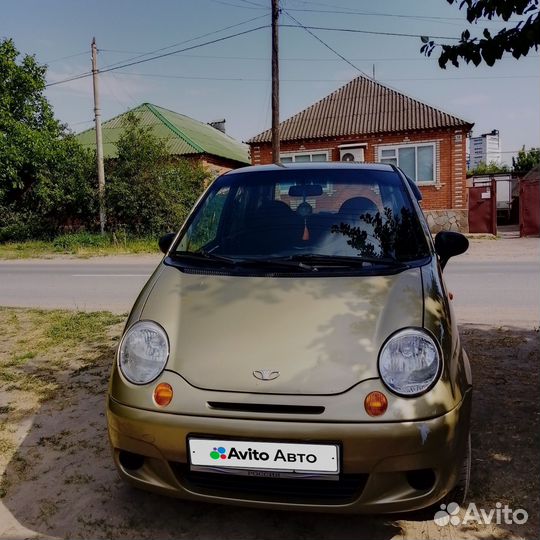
<point>59,480</point>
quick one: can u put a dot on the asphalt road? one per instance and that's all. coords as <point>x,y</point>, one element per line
<point>498,293</point>
<point>100,283</point>
<point>495,282</point>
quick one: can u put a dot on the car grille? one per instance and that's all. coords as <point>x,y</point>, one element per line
<point>287,490</point>
<point>265,408</point>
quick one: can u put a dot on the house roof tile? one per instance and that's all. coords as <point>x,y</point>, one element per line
<point>361,107</point>
<point>181,134</point>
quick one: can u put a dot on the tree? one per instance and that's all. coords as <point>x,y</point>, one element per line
<point>526,160</point>
<point>148,191</point>
<point>44,172</point>
<point>518,39</point>
<point>488,168</point>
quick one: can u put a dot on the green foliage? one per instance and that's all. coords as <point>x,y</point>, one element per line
<point>148,192</point>
<point>526,160</point>
<point>393,235</point>
<point>72,242</point>
<point>83,244</point>
<point>204,228</point>
<point>74,327</point>
<point>488,168</point>
<point>47,179</point>
<point>517,40</point>
<point>45,175</point>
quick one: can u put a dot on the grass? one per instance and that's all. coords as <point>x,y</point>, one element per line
<point>79,245</point>
<point>41,354</point>
<point>68,327</point>
<point>45,342</point>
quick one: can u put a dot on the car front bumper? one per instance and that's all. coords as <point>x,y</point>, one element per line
<point>385,466</point>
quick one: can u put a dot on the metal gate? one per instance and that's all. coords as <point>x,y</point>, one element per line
<point>529,208</point>
<point>483,207</point>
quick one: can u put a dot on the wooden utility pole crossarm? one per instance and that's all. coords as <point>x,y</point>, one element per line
<point>275,82</point>
<point>99,140</point>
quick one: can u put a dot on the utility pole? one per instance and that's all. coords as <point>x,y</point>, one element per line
<point>275,82</point>
<point>99,140</point>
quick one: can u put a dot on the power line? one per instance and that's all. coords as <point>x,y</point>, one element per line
<point>399,16</point>
<point>303,59</point>
<point>356,31</point>
<point>122,51</point>
<point>201,36</point>
<point>141,55</point>
<point>231,4</point>
<point>253,3</point>
<point>134,63</point>
<point>261,79</point>
<point>324,43</point>
<point>349,11</point>
<point>217,40</point>
<point>66,57</point>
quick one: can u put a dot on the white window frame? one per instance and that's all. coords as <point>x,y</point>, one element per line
<point>310,153</point>
<point>328,187</point>
<point>396,147</point>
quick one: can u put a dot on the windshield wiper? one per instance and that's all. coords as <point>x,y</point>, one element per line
<point>204,256</point>
<point>260,263</point>
<point>338,260</point>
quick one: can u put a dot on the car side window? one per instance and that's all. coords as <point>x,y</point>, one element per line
<point>203,229</point>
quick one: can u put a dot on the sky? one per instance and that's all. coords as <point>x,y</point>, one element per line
<point>231,78</point>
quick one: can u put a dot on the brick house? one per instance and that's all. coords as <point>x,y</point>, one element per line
<point>182,136</point>
<point>367,121</point>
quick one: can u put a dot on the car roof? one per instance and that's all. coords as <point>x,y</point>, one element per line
<point>335,165</point>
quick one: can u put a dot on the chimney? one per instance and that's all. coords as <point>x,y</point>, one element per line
<point>218,124</point>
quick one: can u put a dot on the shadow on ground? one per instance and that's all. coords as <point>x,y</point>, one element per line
<point>61,481</point>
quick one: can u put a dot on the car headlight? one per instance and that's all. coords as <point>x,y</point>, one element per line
<point>143,352</point>
<point>409,362</point>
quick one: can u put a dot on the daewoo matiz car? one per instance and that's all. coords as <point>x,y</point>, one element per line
<point>296,348</point>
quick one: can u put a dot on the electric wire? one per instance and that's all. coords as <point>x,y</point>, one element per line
<point>163,55</point>
<point>324,43</point>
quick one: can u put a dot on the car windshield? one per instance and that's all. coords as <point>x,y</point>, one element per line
<point>296,214</point>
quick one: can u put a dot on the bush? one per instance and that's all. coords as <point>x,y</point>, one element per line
<point>18,226</point>
<point>148,192</point>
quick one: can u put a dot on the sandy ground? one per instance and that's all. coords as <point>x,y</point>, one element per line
<point>503,248</point>
<point>59,481</point>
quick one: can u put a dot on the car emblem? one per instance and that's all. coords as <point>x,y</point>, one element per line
<point>266,374</point>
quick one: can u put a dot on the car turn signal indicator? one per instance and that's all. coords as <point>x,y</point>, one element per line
<point>163,394</point>
<point>375,403</point>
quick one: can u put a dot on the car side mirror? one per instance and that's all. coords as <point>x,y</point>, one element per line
<point>449,244</point>
<point>165,241</point>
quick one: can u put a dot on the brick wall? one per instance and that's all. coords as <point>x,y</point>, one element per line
<point>448,192</point>
<point>217,165</point>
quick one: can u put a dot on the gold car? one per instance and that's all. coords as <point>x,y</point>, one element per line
<point>296,348</point>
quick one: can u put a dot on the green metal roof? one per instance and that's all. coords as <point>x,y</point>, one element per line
<point>181,134</point>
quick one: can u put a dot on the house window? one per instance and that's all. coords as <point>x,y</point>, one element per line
<point>304,157</point>
<point>416,161</point>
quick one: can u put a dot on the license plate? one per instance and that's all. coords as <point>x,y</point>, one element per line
<point>264,456</point>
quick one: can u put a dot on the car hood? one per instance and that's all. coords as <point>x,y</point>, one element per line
<point>319,335</point>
